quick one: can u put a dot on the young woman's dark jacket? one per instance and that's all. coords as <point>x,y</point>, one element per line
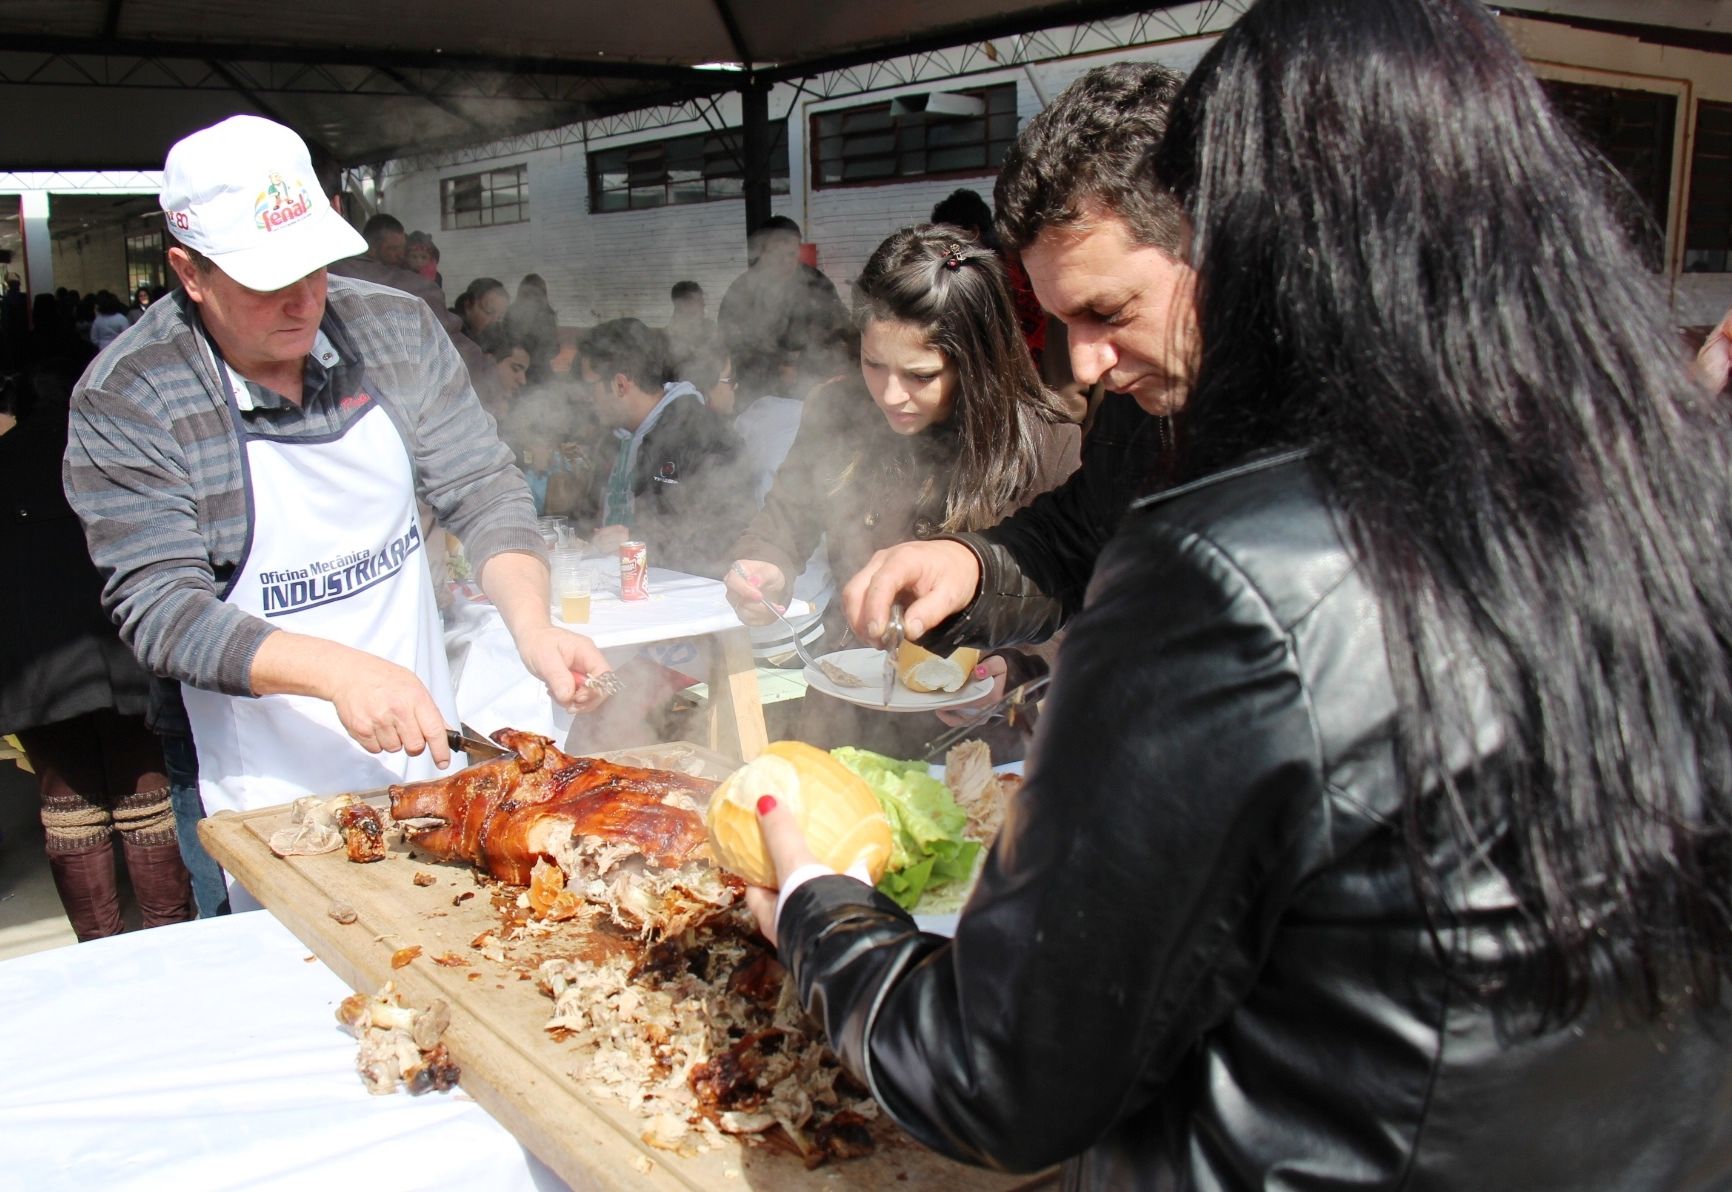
<point>1196,958</point>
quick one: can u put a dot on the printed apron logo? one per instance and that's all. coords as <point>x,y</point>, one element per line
<point>293,589</point>
<point>281,204</point>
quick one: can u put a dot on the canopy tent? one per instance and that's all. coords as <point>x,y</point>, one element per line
<point>103,84</point>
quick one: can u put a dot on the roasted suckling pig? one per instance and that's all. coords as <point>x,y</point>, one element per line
<point>629,838</point>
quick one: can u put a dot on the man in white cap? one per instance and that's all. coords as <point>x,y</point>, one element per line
<point>247,469</point>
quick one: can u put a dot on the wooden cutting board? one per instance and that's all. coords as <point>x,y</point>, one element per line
<point>510,1064</point>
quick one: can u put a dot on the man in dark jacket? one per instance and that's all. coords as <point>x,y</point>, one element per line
<point>676,479</point>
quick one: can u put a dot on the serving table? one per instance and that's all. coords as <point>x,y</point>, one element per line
<point>520,1074</point>
<point>685,617</point>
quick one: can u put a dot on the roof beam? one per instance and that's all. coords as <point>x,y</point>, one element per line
<point>312,55</point>
<point>1029,21</point>
<point>735,36</point>
<point>438,101</point>
<point>266,110</point>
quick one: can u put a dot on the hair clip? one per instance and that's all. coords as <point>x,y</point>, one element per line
<point>953,257</point>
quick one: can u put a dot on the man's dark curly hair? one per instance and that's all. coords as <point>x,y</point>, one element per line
<point>1092,148</point>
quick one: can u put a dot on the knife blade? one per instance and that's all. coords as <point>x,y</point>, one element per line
<point>892,643</point>
<point>479,748</point>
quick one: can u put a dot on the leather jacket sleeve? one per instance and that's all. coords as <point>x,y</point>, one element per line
<point>1035,564</point>
<point>1131,893</point>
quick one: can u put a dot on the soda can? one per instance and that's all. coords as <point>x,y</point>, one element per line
<point>633,571</point>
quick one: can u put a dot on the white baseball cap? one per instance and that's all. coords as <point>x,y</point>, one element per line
<point>244,194</point>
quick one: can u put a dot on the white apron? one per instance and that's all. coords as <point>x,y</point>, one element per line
<point>334,551</point>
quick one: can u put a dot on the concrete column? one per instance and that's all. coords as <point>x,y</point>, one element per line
<point>38,247</point>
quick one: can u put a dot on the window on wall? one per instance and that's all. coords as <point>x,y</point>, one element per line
<point>700,168</point>
<point>484,200</point>
<point>146,254</point>
<point>1708,218</point>
<point>1632,130</point>
<point>931,135</point>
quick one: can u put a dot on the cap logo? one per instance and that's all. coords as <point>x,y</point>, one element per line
<point>280,204</point>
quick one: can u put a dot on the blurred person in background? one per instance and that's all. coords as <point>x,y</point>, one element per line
<point>72,691</point>
<point>1377,828</point>
<point>690,333</point>
<point>965,209</point>
<point>776,307</point>
<point>387,243</point>
<point>14,324</point>
<point>480,306</point>
<point>943,427</point>
<point>672,479</point>
<point>83,315</point>
<point>141,299</point>
<point>533,322</point>
<point>422,255</point>
<point>110,320</point>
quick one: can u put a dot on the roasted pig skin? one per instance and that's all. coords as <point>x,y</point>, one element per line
<point>498,815</point>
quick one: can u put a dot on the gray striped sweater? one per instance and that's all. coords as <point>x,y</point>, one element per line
<point>153,467</point>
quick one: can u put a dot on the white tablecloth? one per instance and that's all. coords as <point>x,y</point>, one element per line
<point>207,1056</point>
<point>494,689</point>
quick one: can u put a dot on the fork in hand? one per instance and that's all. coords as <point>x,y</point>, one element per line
<point>834,673</point>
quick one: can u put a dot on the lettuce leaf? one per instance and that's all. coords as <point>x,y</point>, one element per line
<point>928,848</point>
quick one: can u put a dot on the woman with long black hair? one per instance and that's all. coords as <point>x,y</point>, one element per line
<point>1379,827</point>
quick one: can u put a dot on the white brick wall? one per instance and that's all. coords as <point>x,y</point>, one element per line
<point>597,267</point>
<point>623,263</point>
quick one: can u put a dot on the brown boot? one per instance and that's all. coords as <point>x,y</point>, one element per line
<point>86,883</point>
<point>160,882</point>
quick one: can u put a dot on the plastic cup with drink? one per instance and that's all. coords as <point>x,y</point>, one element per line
<point>571,586</point>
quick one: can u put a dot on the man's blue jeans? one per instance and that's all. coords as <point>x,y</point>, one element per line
<point>209,889</point>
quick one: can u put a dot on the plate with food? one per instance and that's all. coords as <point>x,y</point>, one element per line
<point>925,682</point>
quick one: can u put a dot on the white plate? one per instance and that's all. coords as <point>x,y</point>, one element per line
<point>868,664</point>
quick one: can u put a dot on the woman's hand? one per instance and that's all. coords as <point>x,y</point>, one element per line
<point>787,845</point>
<point>746,580</point>
<point>992,666</point>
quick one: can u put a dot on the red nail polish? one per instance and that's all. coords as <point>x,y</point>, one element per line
<point>980,671</point>
<point>766,804</point>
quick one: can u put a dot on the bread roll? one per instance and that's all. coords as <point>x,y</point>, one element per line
<point>838,812</point>
<point>923,671</point>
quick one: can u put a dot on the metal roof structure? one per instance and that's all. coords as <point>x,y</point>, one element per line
<point>106,84</point>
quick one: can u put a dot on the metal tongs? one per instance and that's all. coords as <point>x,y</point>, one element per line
<point>1016,707</point>
<point>890,643</point>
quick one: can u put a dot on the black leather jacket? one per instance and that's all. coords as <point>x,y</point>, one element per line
<point>1195,958</point>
